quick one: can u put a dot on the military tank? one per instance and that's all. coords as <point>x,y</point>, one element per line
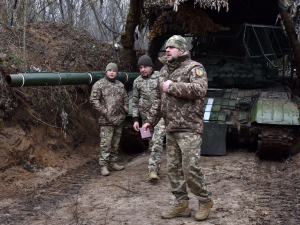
<point>130,140</point>
<point>249,99</point>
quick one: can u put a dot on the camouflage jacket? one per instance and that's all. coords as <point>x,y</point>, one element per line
<point>110,99</point>
<point>144,89</point>
<point>183,106</point>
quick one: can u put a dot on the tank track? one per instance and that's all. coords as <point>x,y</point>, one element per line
<point>275,141</point>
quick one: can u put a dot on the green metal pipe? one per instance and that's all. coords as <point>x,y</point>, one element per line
<point>64,78</point>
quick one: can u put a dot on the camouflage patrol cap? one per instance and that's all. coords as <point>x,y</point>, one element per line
<point>177,41</point>
<point>112,66</point>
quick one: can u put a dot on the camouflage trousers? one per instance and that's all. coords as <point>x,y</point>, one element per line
<point>183,160</point>
<point>156,146</point>
<point>109,143</point>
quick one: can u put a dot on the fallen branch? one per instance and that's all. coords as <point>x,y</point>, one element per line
<point>126,189</point>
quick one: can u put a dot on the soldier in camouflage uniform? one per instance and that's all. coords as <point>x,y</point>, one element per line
<point>143,93</point>
<point>110,99</point>
<point>179,99</point>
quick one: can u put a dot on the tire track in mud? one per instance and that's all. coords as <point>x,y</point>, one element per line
<point>49,196</point>
<point>277,193</point>
<point>246,191</point>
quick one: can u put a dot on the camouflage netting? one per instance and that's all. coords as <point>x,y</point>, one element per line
<point>186,21</point>
<point>294,9</point>
<point>151,3</point>
<point>212,4</point>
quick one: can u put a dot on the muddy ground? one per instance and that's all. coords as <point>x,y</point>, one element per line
<point>246,190</point>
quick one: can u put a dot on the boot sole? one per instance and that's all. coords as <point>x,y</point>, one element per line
<point>153,179</point>
<point>179,215</point>
<point>113,169</point>
<point>105,174</point>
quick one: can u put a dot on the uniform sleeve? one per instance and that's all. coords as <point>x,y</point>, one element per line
<point>154,114</point>
<point>95,99</point>
<point>135,101</point>
<point>195,89</point>
<point>125,100</point>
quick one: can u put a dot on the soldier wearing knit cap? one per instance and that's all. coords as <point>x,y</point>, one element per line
<point>112,66</point>
<point>110,99</point>
<point>145,61</point>
<point>179,99</point>
<point>143,92</point>
<point>111,71</point>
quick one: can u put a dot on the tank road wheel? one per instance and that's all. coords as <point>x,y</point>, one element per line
<point>275,142</point>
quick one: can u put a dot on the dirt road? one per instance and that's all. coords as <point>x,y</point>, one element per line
<point>246,191</point>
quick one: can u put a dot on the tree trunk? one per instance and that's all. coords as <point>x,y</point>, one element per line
<point>51,13</point>
<point>44,11</point>
<point>61,10</point>
<point>70,8</point>
<point>13,12</point>
<point>127,38</point>
<point>103,34</point>
<point>24,29</point>
<point>295,44</point>
<point>82,17</point>
<point>3,6</point>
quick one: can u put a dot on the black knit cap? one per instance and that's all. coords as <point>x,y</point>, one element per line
<point>145,61</point>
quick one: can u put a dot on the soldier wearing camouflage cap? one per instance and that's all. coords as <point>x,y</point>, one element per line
<point>179,99</point>
<point>110,99</point>
<point>143,93</point>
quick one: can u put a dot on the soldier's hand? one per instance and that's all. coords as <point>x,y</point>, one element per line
<point>146,125</point>
<point>136,126</point>
<point>166,85</point>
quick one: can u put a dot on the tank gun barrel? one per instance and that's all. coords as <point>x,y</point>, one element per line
<point>63,78</point>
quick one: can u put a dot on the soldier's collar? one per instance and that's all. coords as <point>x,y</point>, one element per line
<point>172,65</point>
<point>148,76</point>
<point>110,80</point>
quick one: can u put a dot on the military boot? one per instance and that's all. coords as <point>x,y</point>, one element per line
<point>153,176</point>
<point>204,209</point>
<point>117,167</point>
<point>178,209</point>
<point>104,171</point>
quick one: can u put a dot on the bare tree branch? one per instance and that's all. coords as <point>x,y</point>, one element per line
<point>111,30</point>
<point>44,8</point>
<point>98,21</point>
